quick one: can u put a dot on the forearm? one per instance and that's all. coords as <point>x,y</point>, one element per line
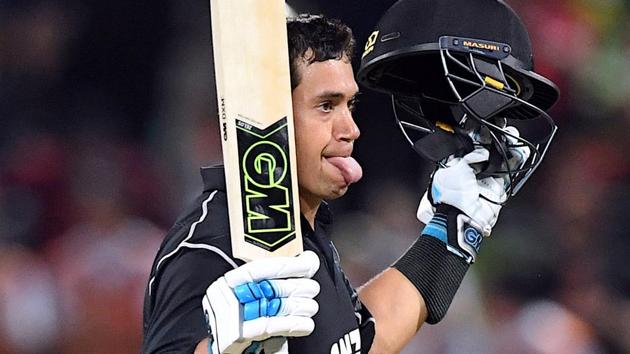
<point>418,288</point>
<point>202,347</point>
<point>397,307</point>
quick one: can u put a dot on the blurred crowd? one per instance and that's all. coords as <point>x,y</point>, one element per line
<point>107,113</point>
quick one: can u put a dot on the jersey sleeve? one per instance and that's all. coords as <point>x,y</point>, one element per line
<point>176,323</point>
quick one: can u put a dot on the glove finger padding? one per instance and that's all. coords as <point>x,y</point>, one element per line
<point>276,288</point>
<point>518,154</point>
<point>479,154</point>
<point>303,266</point>
<point>281,306</point>
<point>306,288</point>
<point>425,209</point>
<point>487,214</point>
<point>456,185</point>
<point>291,306</point>
<point>298,306</point>
<point>492,188</point>
<point>285,326</point>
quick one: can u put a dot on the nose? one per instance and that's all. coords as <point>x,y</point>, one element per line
<point>346,129</point>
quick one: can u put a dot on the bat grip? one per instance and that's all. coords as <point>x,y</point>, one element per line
<point>273,345</point>
<point>278,345</point>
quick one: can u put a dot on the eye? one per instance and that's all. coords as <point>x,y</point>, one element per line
<point>352,104</point>
<point>326,106</point>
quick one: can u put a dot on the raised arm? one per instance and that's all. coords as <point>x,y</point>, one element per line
<point>458,211</point>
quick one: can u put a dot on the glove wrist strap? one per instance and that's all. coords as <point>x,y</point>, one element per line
<point>435,272</point>
<point>456,230</point>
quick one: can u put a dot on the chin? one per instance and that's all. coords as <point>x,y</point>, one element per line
<point>337,192</point>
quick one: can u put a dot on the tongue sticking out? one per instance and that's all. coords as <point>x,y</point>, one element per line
<point>349,167</point>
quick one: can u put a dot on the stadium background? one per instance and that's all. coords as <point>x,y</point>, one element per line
<point>106,114</point>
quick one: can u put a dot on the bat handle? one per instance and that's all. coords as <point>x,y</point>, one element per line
<point>273,345</point>
<point>278,345</point>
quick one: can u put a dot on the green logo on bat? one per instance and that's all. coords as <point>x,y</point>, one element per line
<point>267,194</point>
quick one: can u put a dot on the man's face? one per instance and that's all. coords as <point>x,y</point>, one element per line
<point>325,130</point>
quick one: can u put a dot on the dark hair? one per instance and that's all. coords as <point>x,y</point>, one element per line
<point>327,38</point>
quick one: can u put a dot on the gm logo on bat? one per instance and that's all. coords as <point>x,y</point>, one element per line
<point>267,192</point>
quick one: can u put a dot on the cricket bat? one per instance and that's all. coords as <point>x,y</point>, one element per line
<point>251,63</point>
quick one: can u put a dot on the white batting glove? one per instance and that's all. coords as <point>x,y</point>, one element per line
<point>456,185</point>
<point>518,154</point>
<point>264,298</point>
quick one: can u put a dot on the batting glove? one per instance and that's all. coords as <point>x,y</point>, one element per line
<point>456,189</point>
<point>487,187</point>
<point>272,297</point>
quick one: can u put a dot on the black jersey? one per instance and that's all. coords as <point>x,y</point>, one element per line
<point>197,251</point>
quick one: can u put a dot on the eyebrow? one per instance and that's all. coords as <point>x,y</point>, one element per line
<point>335,95</point>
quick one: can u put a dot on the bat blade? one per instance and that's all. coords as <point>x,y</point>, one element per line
<point>256,120</point>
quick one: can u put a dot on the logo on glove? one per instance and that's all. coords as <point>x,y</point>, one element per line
<point>473,237</point>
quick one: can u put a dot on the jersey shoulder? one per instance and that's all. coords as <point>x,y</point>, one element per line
<point>194,253</point>
<point>204,222</point>
<point>202,226</point>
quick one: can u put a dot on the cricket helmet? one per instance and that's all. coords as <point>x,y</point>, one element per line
<point>459,72</point>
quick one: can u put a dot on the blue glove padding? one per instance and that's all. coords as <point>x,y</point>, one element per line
<point>258,299</point>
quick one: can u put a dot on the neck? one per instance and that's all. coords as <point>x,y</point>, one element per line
<point>308,208</point>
